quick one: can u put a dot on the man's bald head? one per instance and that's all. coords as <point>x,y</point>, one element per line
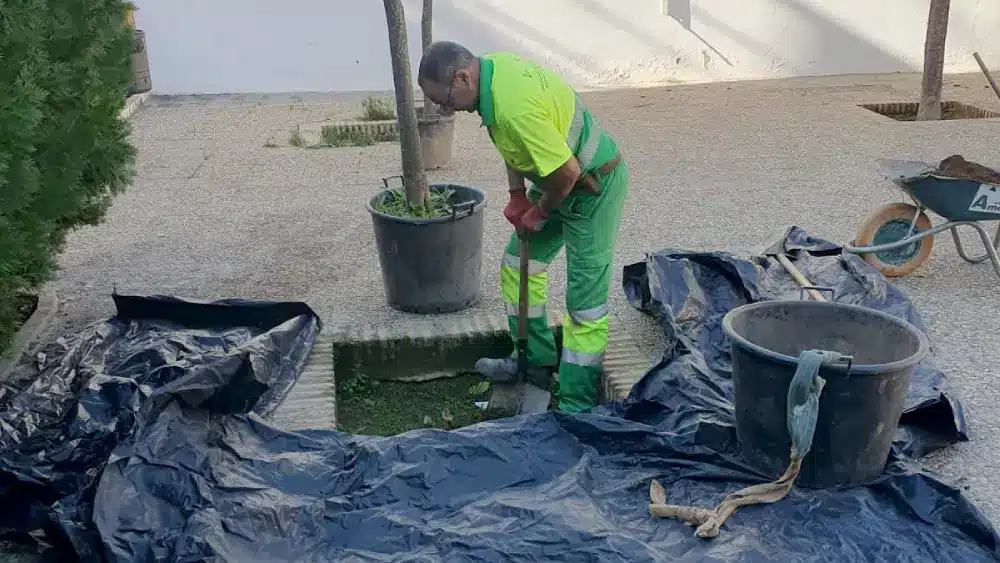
<point>449,76</point>
<point>442,60</point>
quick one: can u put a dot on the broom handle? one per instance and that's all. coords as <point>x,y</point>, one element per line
<point>799,278</point>
<point>986,71</point>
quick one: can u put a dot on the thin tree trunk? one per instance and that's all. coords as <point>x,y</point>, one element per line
<point>414,178</point>
<point>426,38</point>
<point>937,32</point>
<point>426,25</point>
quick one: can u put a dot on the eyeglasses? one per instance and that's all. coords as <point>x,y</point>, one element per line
<point>451,86</point>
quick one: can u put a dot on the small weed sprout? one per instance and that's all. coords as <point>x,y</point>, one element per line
<point>297,140</point>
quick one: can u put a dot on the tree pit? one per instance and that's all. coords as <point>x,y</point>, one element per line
<point>407,376</point>
<point>907,111</point>
<point>380,407</point>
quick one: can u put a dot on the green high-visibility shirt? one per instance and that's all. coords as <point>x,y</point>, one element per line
<point>536,120</point>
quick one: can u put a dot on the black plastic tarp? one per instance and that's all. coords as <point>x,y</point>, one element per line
<point>61,420</point>
<point>196,482</point>
<point>690,292</point>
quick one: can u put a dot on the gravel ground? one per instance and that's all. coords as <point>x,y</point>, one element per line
<point>216,214</point>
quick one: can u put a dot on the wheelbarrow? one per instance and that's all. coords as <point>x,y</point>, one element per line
<point>898,237</point>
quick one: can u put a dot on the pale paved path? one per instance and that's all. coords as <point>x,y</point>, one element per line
<point>214,214</point>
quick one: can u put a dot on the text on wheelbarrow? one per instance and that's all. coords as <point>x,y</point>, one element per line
<point>987,200</point>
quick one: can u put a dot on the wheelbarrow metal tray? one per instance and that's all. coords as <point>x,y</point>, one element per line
<point>955,199</point>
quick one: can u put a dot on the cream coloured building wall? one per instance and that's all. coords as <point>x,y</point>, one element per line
<point>224,46</point>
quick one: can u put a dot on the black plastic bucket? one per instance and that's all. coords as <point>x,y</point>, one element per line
<point>859,408</point>
<point>433,265</point>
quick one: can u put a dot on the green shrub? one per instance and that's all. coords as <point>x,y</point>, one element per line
<point>334,137</point>
<point>65,69</point>
<point>377,109</point>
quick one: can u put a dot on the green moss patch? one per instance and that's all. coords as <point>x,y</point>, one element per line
<point>387,408</point>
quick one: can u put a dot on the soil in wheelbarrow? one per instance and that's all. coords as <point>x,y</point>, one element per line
<point>956,166</point>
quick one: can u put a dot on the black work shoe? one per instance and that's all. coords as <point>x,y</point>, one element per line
<point>504,370</point>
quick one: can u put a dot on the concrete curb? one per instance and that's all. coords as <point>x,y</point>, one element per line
<point>624,365</point>
<point>424,349</point>
<point>379,130</point>
<point>37,323</point>
<point>312,401</point>
<point>134,104</point>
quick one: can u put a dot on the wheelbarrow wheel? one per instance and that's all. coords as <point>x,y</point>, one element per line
<point>891,223</point>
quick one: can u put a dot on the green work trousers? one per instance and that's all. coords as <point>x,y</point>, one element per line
<point>587,225</point>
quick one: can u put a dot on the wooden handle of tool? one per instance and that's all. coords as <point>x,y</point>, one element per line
<point>799,278</point>
<point>522,301</point>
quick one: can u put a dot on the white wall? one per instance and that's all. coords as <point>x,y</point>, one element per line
<point>224,46</point>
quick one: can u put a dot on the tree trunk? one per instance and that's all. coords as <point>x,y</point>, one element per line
<point>426,38</point>
<point>414,179</point>
<point>426,25</point>
<point>937,32</point>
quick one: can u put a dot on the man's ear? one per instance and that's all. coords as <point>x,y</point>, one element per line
<point>464,77</point>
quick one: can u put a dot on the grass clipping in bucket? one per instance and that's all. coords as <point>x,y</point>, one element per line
<point>393,202</point>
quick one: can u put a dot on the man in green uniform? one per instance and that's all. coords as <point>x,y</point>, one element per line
<point>546,135</point>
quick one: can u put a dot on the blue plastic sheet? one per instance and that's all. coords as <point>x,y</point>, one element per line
<point>196,479</point>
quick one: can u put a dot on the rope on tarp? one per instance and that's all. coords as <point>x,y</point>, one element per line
<point>803,410</point>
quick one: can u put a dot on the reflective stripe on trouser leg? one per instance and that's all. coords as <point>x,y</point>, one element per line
<point>541,344</point>
<point>510,274</point>
<point>585,338</point>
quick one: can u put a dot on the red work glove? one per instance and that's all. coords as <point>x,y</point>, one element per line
<point>533,220</point>
<point>516,208</point>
